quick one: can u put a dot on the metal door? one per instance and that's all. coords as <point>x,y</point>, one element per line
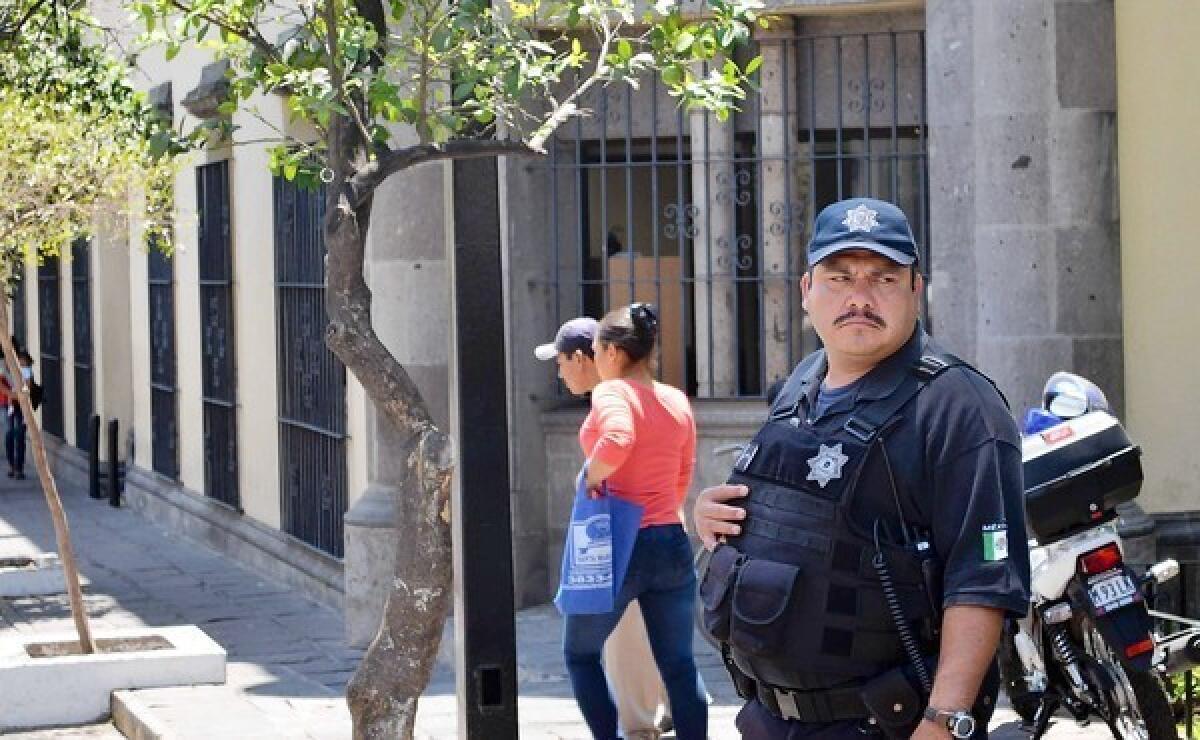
<point>50,334</point>
<point>19,311</point>
<point>81,306</point>
<point>164,408</point>
<point>312,381</point>
<point>217,343</point>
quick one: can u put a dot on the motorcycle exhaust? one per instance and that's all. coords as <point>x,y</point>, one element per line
<point>1182,651</point>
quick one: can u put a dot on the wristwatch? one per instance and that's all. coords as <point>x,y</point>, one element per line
<point>959,722</point>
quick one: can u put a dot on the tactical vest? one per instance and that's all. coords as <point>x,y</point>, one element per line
<point>797,599</point>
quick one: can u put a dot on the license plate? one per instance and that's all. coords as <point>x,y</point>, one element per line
<point>1110,592</point>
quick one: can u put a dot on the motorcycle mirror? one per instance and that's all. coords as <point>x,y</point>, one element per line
<point>1068,404</point>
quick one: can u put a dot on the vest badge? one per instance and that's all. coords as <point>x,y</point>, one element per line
<point>827,464</point>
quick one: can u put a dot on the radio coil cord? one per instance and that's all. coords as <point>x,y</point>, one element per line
<point>907,639</point>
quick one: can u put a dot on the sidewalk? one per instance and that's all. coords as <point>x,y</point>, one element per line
<point>288,661</point>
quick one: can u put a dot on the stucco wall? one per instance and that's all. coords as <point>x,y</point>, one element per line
<point>1160,267</point>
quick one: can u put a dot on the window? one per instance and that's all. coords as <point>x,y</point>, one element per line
<point>710,220</point>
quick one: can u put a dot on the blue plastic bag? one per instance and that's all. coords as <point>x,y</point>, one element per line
<point>599,543</point>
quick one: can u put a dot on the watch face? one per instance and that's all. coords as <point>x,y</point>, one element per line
<point>962,726</point>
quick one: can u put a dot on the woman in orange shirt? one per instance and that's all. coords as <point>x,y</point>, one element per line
<point>640,438</point>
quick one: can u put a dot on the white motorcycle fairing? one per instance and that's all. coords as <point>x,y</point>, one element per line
<point>1053,566</point>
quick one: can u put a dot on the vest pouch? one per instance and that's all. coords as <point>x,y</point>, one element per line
<point>895,702</point>
<point>719,577</point>
<point>760,607</point>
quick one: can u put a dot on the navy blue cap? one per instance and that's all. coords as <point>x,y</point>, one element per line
<point>863,223</point>
<point>576,334</point>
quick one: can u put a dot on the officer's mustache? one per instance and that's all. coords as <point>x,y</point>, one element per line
<point>866,313</point>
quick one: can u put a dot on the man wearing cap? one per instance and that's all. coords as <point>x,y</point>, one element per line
<point>871,538</point>
<point>637,688</point>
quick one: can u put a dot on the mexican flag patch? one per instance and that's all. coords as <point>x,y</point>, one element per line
<point>995,542</point>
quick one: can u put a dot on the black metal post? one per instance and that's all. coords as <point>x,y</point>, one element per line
<point>94,457</point>
<point>114,472</point>
<point>483,577</point>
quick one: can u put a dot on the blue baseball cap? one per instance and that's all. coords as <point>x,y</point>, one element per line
<point>863,223</point>
<point>576,334</point>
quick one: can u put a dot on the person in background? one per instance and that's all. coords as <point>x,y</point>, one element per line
<point>639,692</point>
<point>14,441</point>
<point>640,439</point>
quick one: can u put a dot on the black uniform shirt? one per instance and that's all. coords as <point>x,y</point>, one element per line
<point>955,454</point>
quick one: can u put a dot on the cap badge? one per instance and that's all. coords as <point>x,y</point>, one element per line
<point>827,464</point>
<point>861,218</point>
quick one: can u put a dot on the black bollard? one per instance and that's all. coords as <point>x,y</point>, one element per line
<point>94,457</point>
<point>114,480</point>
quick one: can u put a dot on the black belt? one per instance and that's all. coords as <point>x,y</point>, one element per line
<point>828,705</point>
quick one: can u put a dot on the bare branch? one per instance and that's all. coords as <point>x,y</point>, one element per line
<point>249,34</point>
<point>567,109</point>
<point>338,75</point>
<point>371,176</point>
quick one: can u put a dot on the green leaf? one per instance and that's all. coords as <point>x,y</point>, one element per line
<point>684,42</point>
<point>228,108</point>
<point>624,50</point>
<point>753,65</point>
<point>673,75</point>
<point>464,90</point>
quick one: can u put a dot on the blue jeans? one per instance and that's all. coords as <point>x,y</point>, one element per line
<point>14,442</point>
<point>662,579</point>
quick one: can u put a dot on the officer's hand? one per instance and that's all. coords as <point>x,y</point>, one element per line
<point>714,518</point>
<point>927,730</point>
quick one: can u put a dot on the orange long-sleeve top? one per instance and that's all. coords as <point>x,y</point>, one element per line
<point>649,435</point>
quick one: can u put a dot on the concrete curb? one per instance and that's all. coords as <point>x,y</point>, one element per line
<point>134,719</point>
<point>39,687</point>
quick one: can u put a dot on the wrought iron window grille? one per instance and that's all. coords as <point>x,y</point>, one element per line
<point>312,381</point>
<point>710,220</point>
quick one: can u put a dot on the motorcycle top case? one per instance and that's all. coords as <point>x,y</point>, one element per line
<point>1076,473</point>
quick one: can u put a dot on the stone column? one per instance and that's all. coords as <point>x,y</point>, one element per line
<point>406,268</point>
<point>715,190</point>
<point>780,198</point>
<point>1026,276</point>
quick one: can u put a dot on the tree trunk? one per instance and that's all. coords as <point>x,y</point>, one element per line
<point>385,689</point>
<point>382,695</point>
<point>61,532</point>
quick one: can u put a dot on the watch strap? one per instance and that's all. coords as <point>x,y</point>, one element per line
<point>950,719</point>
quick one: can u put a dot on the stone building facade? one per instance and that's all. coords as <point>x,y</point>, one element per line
<point>993,124</point>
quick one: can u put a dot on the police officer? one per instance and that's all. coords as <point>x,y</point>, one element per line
<point>871,539</point>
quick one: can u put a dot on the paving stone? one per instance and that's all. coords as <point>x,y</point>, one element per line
<point>288,660</point>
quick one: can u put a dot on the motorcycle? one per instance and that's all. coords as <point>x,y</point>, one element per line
<point>1088,643</point>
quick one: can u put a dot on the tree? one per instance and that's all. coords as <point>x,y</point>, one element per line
<point>471,80</point>
<point>74,142</point>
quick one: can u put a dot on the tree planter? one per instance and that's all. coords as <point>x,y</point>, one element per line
<point>39,574</point>
<point>46,681</point>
